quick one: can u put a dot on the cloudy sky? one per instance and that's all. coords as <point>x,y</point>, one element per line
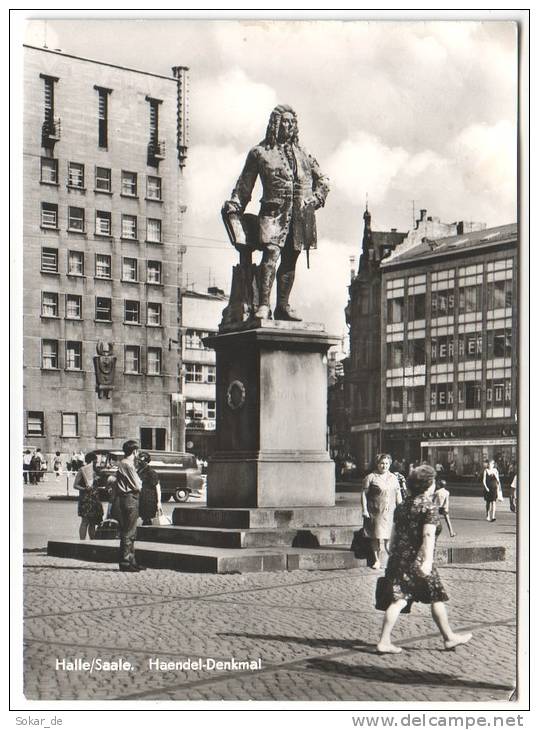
<point>415,113</point>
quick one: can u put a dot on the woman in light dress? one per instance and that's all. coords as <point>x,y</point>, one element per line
<point>381,494</point>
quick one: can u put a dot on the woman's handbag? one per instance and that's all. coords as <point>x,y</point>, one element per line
<point>361,545</point>
<point>161,519</point>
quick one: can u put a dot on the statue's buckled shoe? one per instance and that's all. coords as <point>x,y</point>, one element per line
<point>263,312</point>
<point>287,314</point>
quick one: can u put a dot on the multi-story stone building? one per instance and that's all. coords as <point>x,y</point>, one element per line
<point>201,314</point>
<point>446,340</point>
<point>104,148</point>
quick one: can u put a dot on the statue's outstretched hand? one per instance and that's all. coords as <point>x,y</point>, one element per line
<point>310,202</point>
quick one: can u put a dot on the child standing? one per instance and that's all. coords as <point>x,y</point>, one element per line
<point>441,500</point>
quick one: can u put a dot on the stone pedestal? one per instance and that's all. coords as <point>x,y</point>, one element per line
<point>271,417</point>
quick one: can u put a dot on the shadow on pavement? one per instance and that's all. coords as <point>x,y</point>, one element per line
<point>306,641</point>
<point>402,676</point>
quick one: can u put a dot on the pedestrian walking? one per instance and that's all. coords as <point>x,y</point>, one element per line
<point>26,462</point>
<point>441,500</point>
<point>150,494</point>
<point>126,507</point>
<point>57,465</point>
<point>90,509</point>
<point>380,495</point>
<point>411,574</point>
<point>493,489</point>
<point>513,494</point>
<point>38,466</point>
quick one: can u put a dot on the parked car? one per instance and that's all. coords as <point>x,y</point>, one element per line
<point>179,475</point>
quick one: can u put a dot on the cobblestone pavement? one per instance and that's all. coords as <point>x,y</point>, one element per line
<point>313,633</point>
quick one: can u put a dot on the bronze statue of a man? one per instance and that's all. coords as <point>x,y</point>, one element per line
<point>293,187</point>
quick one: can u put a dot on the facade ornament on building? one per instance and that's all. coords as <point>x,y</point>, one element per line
<point>105,366</point>
<point>293,187</point>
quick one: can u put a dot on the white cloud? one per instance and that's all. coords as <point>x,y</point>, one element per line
<point>363,164</point>
<point>231,108</point>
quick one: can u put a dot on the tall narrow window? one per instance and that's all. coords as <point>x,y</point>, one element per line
<point>49,304</point>
<point>49,171</point>
<point>73,355</point>
<point>75,175</point>
<point>104,426</point>
<point>129,269</point>
<point>103,180</point>
<point>156,148</point>
<point>103,223</point>
<point>50,131</point>
<point>153,230</point>
<point>73,306</point>
<point>103,266</point>
<point>75,219</point>
<point>75,263</point>
<point>154,361</point>
<point>102,115</point>
<point>49,215</point>
<point>154,272</point>
<point>49,260</point>
<point>70,425</point>
<point>35,423</point>
<point>132,359</point>
<point>129,183</point>
<point>49,354</point>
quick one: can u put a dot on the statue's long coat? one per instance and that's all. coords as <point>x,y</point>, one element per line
<point>281,210</point>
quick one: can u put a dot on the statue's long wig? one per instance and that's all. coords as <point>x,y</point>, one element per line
<point>272,132</point>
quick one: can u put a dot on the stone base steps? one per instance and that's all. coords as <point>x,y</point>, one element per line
<point>292,518</point>
<point>311,537</point>
<point>197,559</point>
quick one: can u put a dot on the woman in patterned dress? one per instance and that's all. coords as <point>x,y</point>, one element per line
<point>410,568</point>
<point>381,494</point>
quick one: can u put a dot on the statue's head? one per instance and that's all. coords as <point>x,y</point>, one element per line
<point>282,126</point>
<point>104,348</point>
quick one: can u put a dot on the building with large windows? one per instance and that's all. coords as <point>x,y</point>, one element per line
<point>104,149</point>
<point>444,324</point>
<point>201,314</point>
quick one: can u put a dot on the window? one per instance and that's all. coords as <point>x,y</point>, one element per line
<point>155,147</point>
<point>153,188</point>
<point>153,232</point>
<point>70,425</point>
<point>470,395</point>
<point>416,399</point>
<point>75,219</point>
<point>50,131</point>
<point>395,308</point>
<point>103,266</point>
<point>104,426</point>
<point>210,377</point>
<point>132,359</point>
<point>75,263</point>
<point>35,423</point>
<point>193,373</point>
<point>193,339</point>
<point>103,224</point>
<point>470,346</point>
<point>129,269</point>
<point>154,313</point>
<point>103,180</point>
<point>49,260</point>
<point>499,343</point>
<point>416,307</point>
<point>48,88</point>
<point>470,298</point>
<point>49,171</point>
<point>49,215</point>
<point>102,115</point>
<point>498,393</point>
<point>395,355</point>
<point>441,396</point>
<point>154,272</point>
<point>156,438</point>
<point>394,400</point>
<point>49,304</point>
<point>442,349</point>
<point>131,312</point>
<point>194,410</point>
<point>211,410</point>
<point>443,303</point>
<point>129,226</point>
<point>73,355</point>
<point>129,183</point>
<point>75,175</point>
<point>416,353</point>
<point>154,361</point>
<point>73,306</point>
<point>103,309</point>
<point>500,294</point>
<point>49,354</point>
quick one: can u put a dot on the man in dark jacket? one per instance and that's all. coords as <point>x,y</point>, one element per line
<point>293,188</point>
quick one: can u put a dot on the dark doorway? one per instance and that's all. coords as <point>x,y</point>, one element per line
<point>153,438</point>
